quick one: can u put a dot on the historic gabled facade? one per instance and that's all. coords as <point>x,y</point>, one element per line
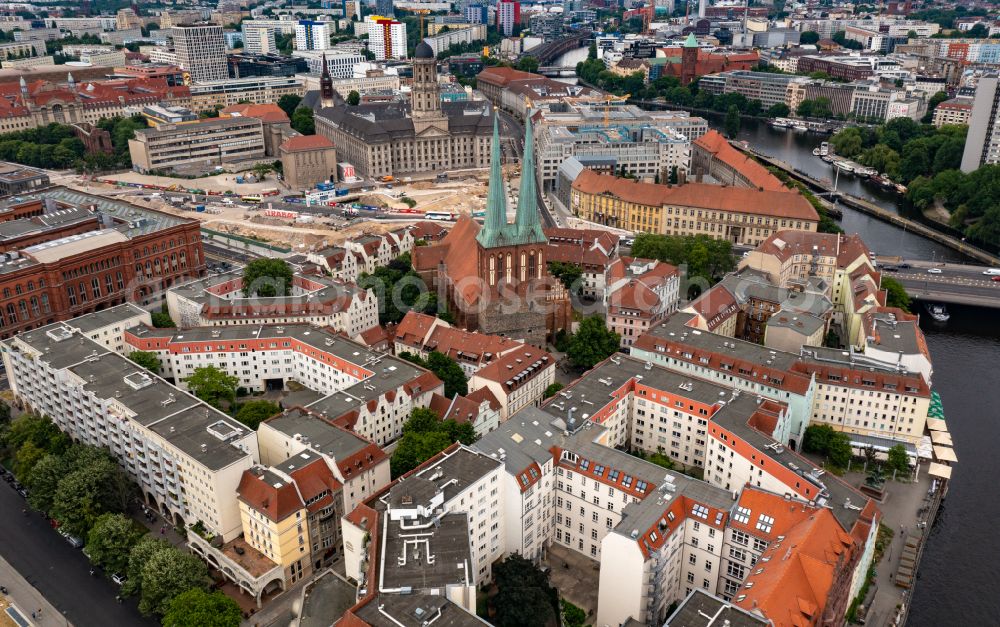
<point>494,278</point>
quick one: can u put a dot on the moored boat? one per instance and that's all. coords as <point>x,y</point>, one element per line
<point>938,312</point>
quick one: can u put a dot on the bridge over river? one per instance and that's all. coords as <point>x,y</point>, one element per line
<point>955,284</point>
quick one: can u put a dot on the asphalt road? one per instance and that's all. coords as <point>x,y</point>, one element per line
<point>60,572</point>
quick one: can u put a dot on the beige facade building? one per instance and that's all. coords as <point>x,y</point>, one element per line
<point>206,96</point>
<point>307,160</point>
<point>741,215</point>
<point>204,144</point>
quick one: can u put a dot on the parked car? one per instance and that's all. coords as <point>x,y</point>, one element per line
<point>118,578</point>
<point>74,541</point>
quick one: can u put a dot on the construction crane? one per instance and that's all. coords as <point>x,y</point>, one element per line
<point>608,99</point>
<point>421,13</point>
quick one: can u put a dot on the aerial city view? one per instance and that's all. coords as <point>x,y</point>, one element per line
<point>471,313</point>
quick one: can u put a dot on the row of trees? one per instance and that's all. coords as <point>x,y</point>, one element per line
<point>836,446</point>
<point>55,146</point>
<point>903,149</point>
<point>84,490</point>
<point>704,256</point>
<point>424,436</point>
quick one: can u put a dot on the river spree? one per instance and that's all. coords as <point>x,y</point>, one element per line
<point>960,563</point>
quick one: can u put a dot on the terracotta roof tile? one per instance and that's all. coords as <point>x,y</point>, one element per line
<point>306,142</point>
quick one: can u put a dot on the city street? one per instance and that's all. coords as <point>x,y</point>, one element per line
<point>59,572</point>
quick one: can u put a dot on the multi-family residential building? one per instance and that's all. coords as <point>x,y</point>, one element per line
<point>639,294</point>
<point>312,35</point>
<point>420,334</point>
<point>367,392</point>
<point>516,379</point>
<point>456,34</point>
<point>219,301</point>
<point>258,38</point>
<point>740,215</point>
<point>386,37</point>
<point>200,145</point>
<point>953,111</point>
<point>508,16</point>
<point>982,144</point>
<point>364,254</point>
<point>186,456</point>
<point>201,51</point>
<point>590,250</point>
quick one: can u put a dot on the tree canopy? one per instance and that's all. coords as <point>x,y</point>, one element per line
<point>110,540</point>
<point>147,360</point>
<point>524,598</point>
<point>88,491</point>
<point>426,435</point>
<point>303,122</point>
<point>702,255</point>
<point>212,385</point>
<point>824,440</point>
<point>445,368</point>
<point>289,103</point>
<point>353,98</point>
<point>896,295</point>
<point>898,460</point>
<point>165,575</point>
<point>592,343</point>
<point>197,608</point>
<point>267,277</point>
<point>399,289</point>
<point>252,413</point>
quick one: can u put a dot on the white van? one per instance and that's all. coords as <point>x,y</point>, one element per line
<point>992,272</point>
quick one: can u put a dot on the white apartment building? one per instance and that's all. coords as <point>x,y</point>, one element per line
<point>258,38</point>
<point>439,530</point>
<point>201,51</point>
<point>186,456</point>
<point>218,301</point>
<point>340,64</point>
<point>516,379</point>
<point>312,35</point>
<point>368,392</point>
<point>386,38</point>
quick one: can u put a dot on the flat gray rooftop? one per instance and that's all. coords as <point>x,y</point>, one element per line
<point>441,557</point>
<point>322,436</point>
<point>701,609</point>
<point>416,610</point>
<point>93,321</point>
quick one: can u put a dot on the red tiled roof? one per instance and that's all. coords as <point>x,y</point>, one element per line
<point>514,362</point>
<point>306,142</point>
<point>781,204</point>
<point>277,503</point>
<point>722,150</point>
<point>267,113</point>
<point>458,252</point>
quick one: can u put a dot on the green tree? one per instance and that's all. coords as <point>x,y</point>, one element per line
<point>167,574</point>
<point>732,122</point>
<point>527,64</point>
<point>252,413</point>
<point>817,438</point>
<point>552,389</point>
<point>896,295</point>
<point>567,273</point>
<point>197,608</point>
<point>848,142</point>
<point>38,430</point>
<point>450,373</point>
<point>162,320</point>
<point>289,103</point>
<point>110,540</point>
<point>212,385</point>
<point>839,451</point>
<point>353,98</point>
<point>808,38</point>
<point>424,436</point>
<point>147,360</point>
<point>932,104</point>
<point>26,458</point>
<point>898,460</point>
<point>89,490</point>
<point>43,481</point>
<point>572,615</point>
<point>138,557</point>
<point>592,343</point>
<point>267,277</point>
<point>882,158</point>
<point>778,110</point>
<point>302,121</point>
<point>524,596</point>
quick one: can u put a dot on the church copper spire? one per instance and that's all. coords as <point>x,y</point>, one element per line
<point>494,226</point>
<point>527,227</point>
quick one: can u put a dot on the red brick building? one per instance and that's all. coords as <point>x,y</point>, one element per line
<point>689,61</point>
<point>80,253</point>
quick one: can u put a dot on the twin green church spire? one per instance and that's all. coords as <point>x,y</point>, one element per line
<point>526,228</point>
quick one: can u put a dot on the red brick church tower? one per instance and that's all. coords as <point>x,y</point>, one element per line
<point>689,60</point>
